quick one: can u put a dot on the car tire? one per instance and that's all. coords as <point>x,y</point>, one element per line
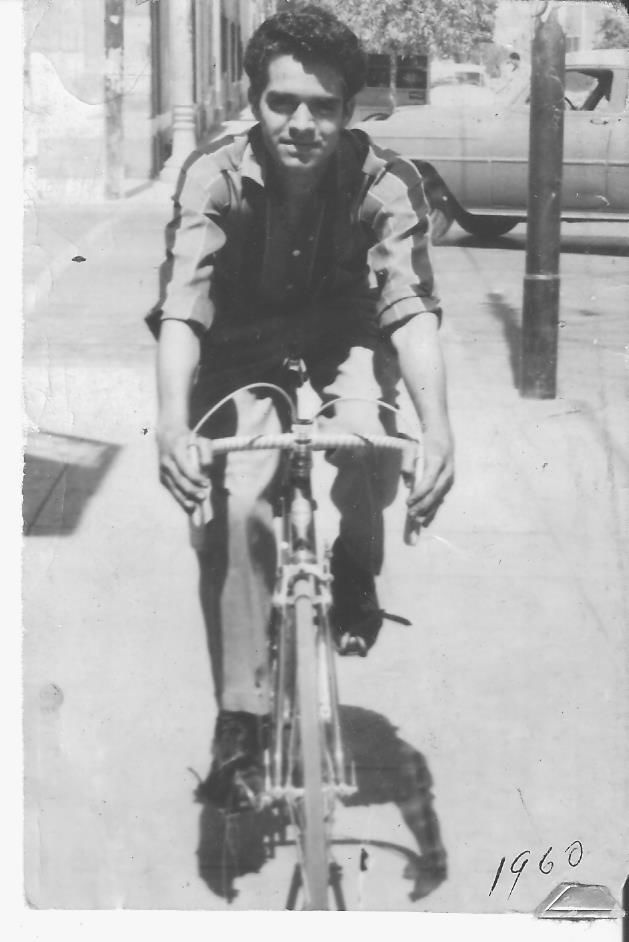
<point>487,227</point>
<point>440,221</point>
<point>440,202</point>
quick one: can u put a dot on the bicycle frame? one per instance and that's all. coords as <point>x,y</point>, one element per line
<point>303,578</point>
<point>302,573</point>
<point>304,766</point>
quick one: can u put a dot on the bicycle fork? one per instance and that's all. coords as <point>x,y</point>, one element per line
<point>302,577</point>
<point>281,774</point>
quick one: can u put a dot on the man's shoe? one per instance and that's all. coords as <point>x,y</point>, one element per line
<point>236,776</point>
<point>356,614</point>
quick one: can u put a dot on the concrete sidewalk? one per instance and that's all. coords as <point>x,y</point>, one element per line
<point>512,682</point>
<point>55,233</point>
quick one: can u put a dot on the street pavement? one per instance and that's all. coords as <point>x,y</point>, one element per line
<point>503,708</point>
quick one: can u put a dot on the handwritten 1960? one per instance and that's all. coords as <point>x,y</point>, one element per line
<point>574,853</point>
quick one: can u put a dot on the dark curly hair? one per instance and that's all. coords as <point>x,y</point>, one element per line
<point>310,34</point>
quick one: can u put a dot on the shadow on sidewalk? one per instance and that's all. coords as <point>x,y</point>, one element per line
<point>61,475</point>
<point>509,317</point>
<point>572,243</point>
<point>388,770</point>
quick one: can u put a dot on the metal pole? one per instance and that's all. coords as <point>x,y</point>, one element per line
<point>114,88</point>
<point>540,317</point>
<point>181,60</point>
<point>217,64</point>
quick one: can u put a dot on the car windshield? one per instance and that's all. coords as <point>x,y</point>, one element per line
<point>589,89</point>
<point>586,89</point>
<point>459,78</point>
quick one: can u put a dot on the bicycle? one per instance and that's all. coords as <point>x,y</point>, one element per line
<point>305,767</point>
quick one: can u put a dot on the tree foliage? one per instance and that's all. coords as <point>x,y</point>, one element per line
<point>447,28</point>
<point>613,31</point>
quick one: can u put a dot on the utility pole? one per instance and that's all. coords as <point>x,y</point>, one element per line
<point>540,316</point>
<point>181,87</point>
<point>217,62</point>
<point>114,89</point>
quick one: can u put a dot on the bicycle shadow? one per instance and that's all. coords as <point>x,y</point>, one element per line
<point>388,770</point>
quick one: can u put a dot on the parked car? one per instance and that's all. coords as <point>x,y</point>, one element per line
<point>457,73</point>
<point>474,159</point>
<point>460,94</point>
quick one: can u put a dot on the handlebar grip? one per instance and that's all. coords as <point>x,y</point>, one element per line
<point>202,513</point>
<point>412,526</point>
<point>412,529</point>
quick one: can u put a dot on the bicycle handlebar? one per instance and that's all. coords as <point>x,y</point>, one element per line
<point>206,449</point>
<point>284,441</point>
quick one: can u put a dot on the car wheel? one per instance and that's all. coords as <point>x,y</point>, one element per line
<point>441,219</point>
<point>487,227</point>
<point>442,205</point>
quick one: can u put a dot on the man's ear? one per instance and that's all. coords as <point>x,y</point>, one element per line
<point>348,111</point>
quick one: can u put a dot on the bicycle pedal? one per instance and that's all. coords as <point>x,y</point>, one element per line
<point>242,798</point>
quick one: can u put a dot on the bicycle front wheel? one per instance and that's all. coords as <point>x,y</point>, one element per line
<point>312,824</point>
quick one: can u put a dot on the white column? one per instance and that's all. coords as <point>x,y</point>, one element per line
<point>114,97</point>
<point>181,86</point>
<point>584,38</point>
<point>217,60</point>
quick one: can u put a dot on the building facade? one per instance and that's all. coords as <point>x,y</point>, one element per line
<point>111,84</point>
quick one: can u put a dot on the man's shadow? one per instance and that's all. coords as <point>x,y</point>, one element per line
<point>388,769</point>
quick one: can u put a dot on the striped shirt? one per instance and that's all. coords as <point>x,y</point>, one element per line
<point>361,248</point>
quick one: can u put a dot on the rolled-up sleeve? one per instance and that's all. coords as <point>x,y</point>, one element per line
<point>193,237</point>
<point>400,259</point>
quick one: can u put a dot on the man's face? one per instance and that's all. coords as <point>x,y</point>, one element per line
<point>302,113</point>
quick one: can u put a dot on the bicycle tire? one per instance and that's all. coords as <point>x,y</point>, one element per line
<point>282,682</point>
<point>314,838</point>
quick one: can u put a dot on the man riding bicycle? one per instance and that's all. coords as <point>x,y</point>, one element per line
<point>297,241</point>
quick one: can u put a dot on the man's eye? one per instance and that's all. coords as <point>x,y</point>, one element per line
<point>324,108</point>
<point>285,105</point>
<point>319,108</point>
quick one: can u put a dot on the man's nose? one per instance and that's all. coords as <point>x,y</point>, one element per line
<point>301,119</point>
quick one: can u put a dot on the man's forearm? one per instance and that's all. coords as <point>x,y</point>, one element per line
<point>177,360</point>
<point>423,371</point>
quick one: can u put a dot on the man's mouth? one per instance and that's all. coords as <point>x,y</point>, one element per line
<point>300,145</point>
